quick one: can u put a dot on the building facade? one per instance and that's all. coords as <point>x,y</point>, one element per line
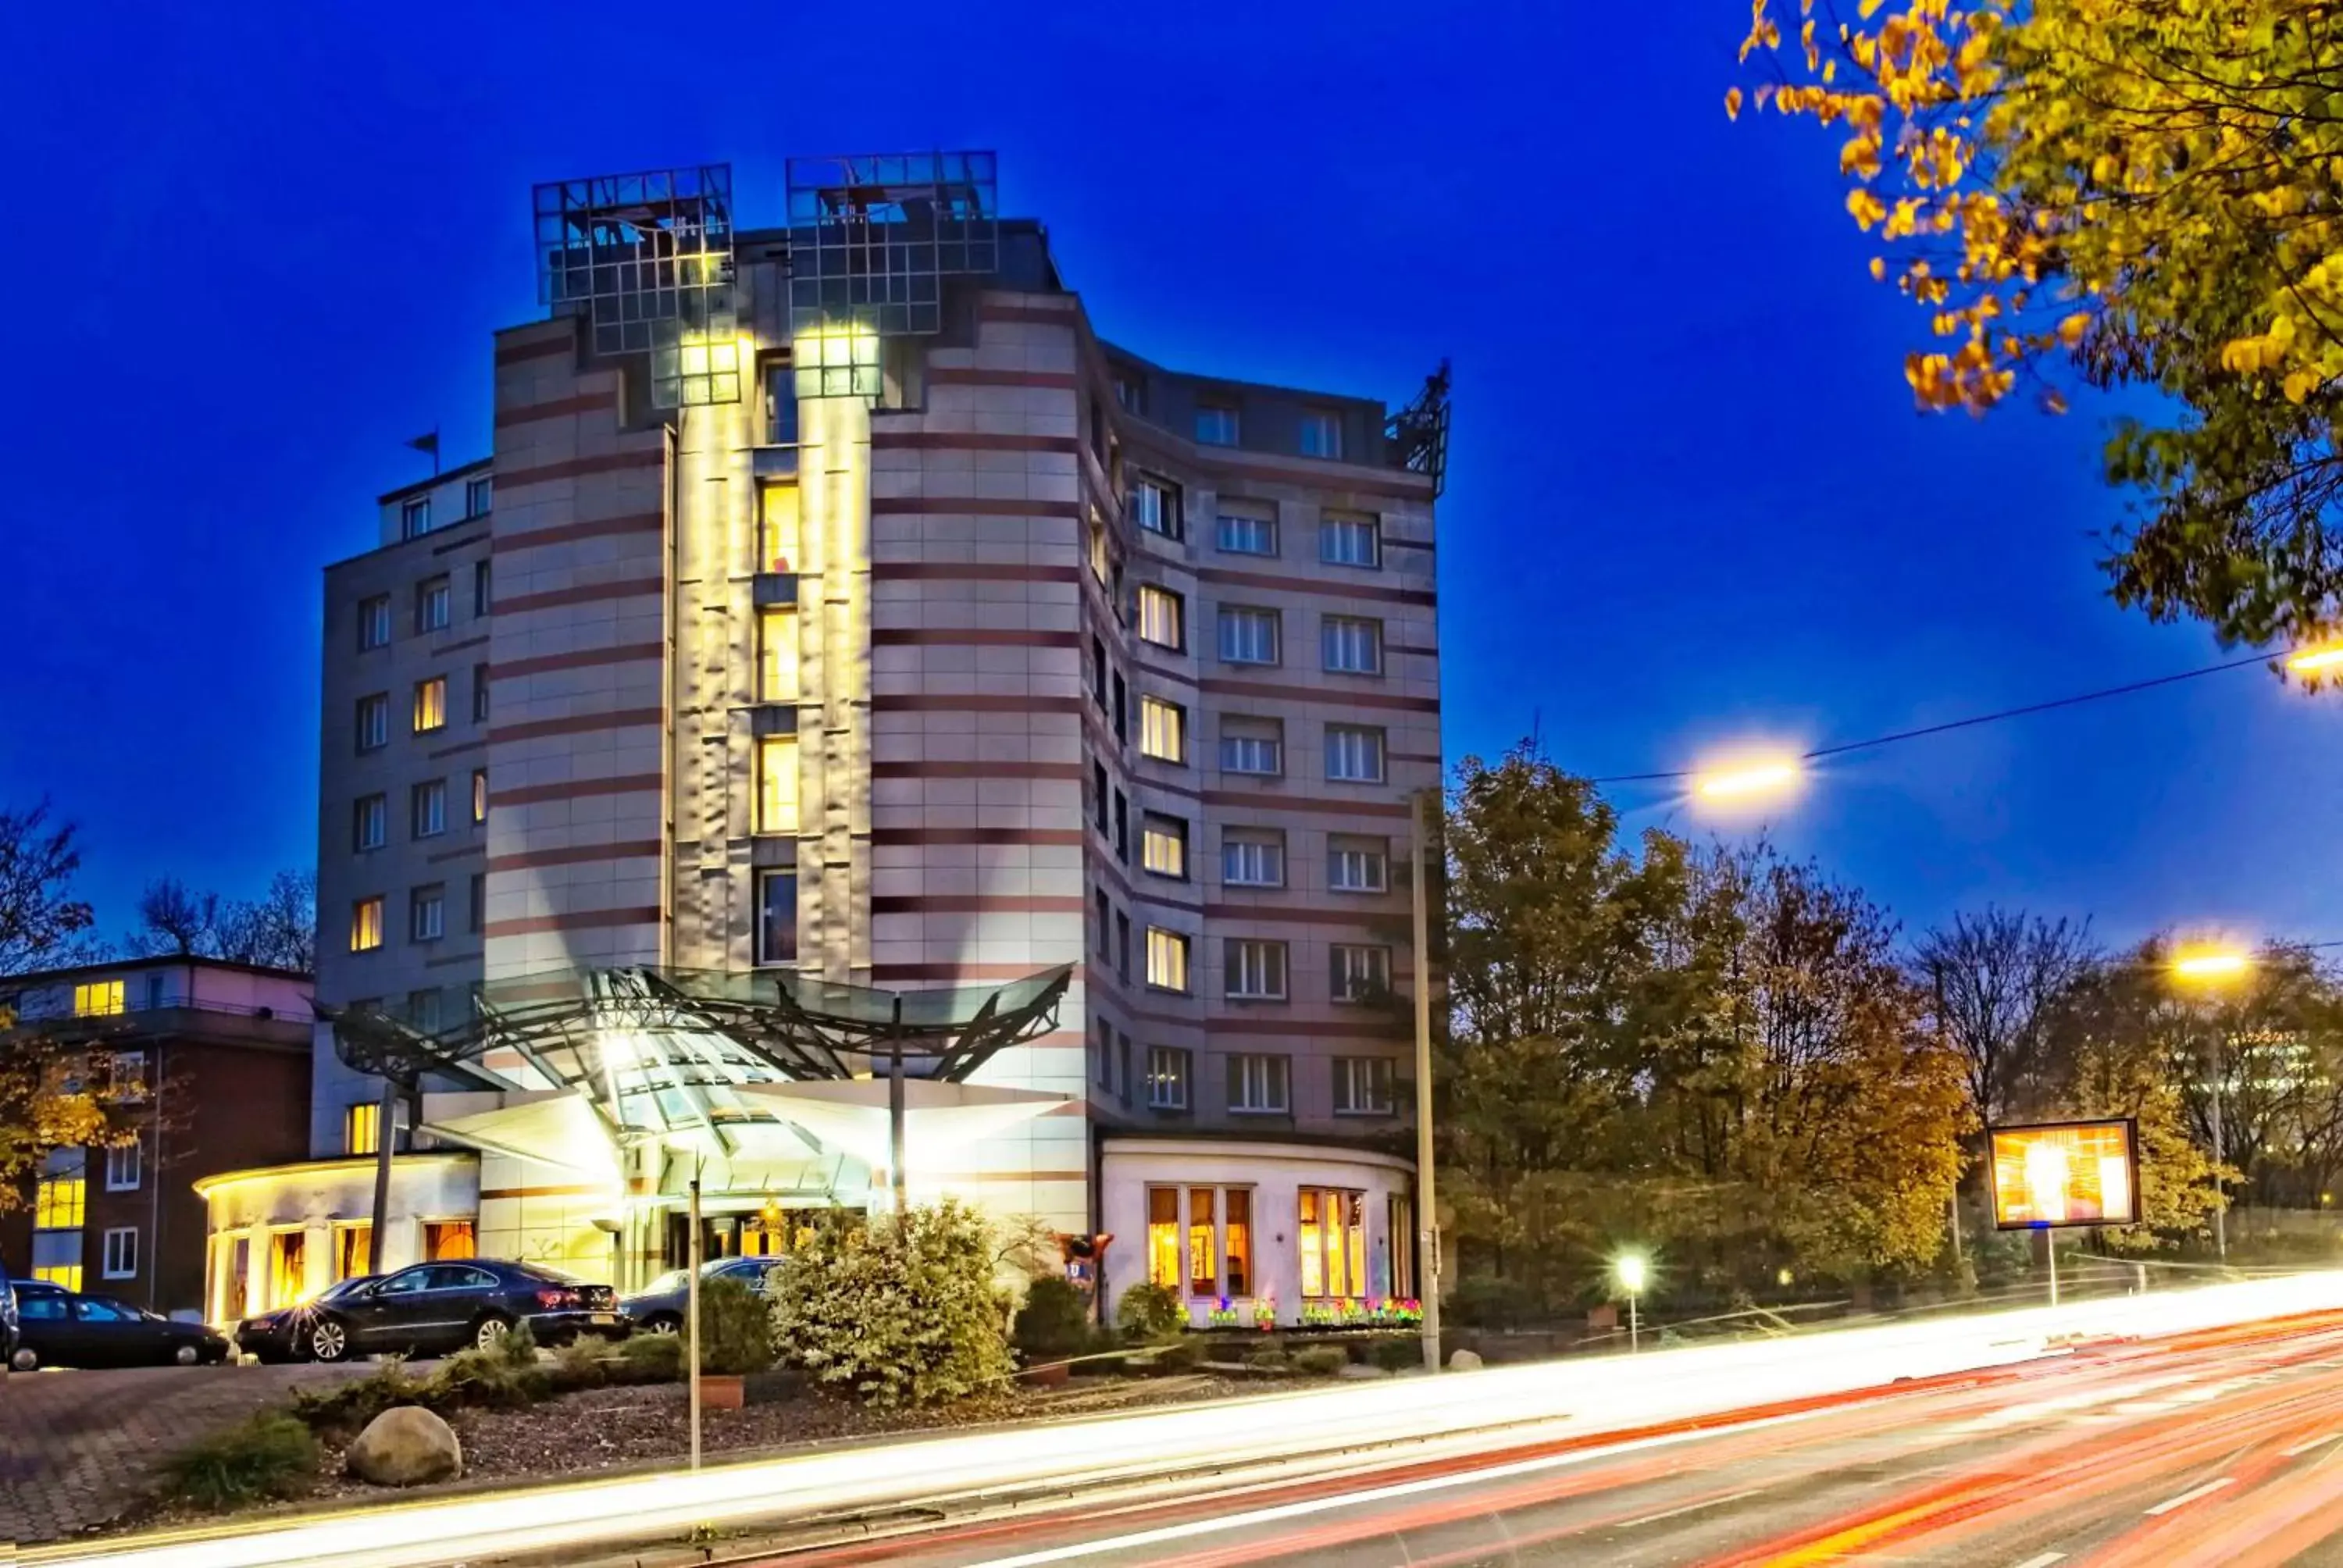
<point>872,621</point>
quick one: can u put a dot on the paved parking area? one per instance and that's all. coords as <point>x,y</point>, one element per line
<point>77,1448</point>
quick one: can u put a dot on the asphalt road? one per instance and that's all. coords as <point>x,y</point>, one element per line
<point>2215,1448</point>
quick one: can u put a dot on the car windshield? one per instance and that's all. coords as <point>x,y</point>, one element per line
<point>671,1281</point>
<point>540,1272</point>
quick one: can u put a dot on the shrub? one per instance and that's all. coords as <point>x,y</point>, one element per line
<point>1149,1312</point>
<point>1322,1360</point>
<point>647,1358</point>
<point>1487,1301</point>
<point>518,1346</point>
<point>350,1405</point>
<point>1270,1360</point>
<point>583,1363</point>
<point>736,1330</point>
<point>1396,1355</point>
<point>270,1456</point>
<point>903,1310</point>
<point>484,1380</point>
<point>1176,1356</point>
<point>1053,1320</point>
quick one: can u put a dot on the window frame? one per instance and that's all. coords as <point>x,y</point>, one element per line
<point>479,496</point>
<point>1273,740</point>
<point>1155,597</point>
<point>1348,633</point>
<point>1169,521</point>
<point>375,706</point>
<point>1153,727</point>
<point>118,1253</point>
<point>479,694</point>
<point>1221,534</point>
<point>1333,526</point>
<point>479,796</point>
<point>1342,979</point>
<point>1226,423</point>
<point>431,704</point>
<point>423,897</point>
<point>762,952</point>
<point>1276,1074</point>
<point>415,517</point>
<point>1376,735</point>
<point>369,810</point>
<point>126,1166</point>
<point>1266,960</point>
<point>1340,847</point>
<point>422,823</point>
<point>366,922</point>
<point>435,605</point>
<point>1233,616</point>
<point>1270,841</point>
<point>1170,1068</point>
<point>1173,943</point>
<point>374,622</point>
<point>1170,829</point>
<point>483,588</point>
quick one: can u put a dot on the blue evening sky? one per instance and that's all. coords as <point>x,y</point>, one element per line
<point>253,247</point>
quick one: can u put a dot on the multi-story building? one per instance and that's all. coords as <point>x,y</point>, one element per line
<point>838,621</point>
<point>206,1064</point>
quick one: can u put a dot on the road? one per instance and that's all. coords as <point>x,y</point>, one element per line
<point>2218,1447</point>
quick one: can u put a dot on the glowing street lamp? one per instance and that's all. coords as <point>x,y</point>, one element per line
<point>1746,780</point>
<point>2317,660</point>
<point>2211,964</point>
<point>1632,1271</point>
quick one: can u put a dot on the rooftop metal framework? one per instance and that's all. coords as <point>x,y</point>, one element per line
<point>1418,433</point>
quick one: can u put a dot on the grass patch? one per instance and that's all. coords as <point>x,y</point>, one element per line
<point>1322,1360</point>
<point>262,1459</point>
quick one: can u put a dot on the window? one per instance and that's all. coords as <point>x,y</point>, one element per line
<point>1130,393</point>
<point>1332,1234</point>
<point>777,532</point>
<point>1350,645</point>
<point>1103,1055</point>
<point>1252,857</point>
<point>1399,1244</point>
<point>1163,617</point>
<point>776,917</point>
<point>1347,540</point>
<point>1122,827</point>
<point>1123,1040</point>
<point>477,914</point>
<point>1098,672</point>
<point>1354,754</point>
<point>1253,746</point>
<point>1254,969</point>
<point>1216,425</point>
<point>1362,1086</point>
<point>127,1071</point>
<point>427,913</point>
<point>1355,974</point>
<point>1238,1255</point>
<point>431,605</point>
<point>777,654</point>
<point>362,1129</point>
<point>1105,920</point>
<point>288,1266</point>
<point>122,1167</point>
<point>777,784</point>
<point>431,704</point>
<point>479,694</point>
<point>1167,1078</point>
<point>1357,865</point>
<point>423,1010</point>
<point>1258,1084</point>
<point>1163,731</point>
<point>374,622</point>
<point>1101,558</point>
<point>121,1256</point>
<point>479,795</point>
<point>369,822</point>
<point>60,1200</point>
<point>1166,960</point>
<point>353,1249</point>
<point>1155,506</point>
<point>97,999</point>
<point>1163,1237</point>
<point>780,405</point>
<point>415,517</point>
<point>481,597</point>
<point>1248,636</point>
<point>153,992</point>
<point>1163,845</point>
<point>374,721</point>
<point>1122,709</point>
<point>1322,434</point>
<point>447,1240</point>
<point>428,808</point>
<point>1123,947</point>
<point>1204,1241</point>
<point>1101,796</point>
<point>1250,529</point>
<point>478,495</point>
<point>365,924</point>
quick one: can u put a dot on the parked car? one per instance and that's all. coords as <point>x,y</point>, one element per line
<point>8,1318</point>
<point>61,1328</point>
<point>282,1335</point>
<point>434,1308</point>
<point>658,1308</point>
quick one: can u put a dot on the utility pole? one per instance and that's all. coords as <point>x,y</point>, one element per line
<point>691,1304</point>
<point>386,1139</point>
<point>1427,1226</point>
<point>2221,1212</point>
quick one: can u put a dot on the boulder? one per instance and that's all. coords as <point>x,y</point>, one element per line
<point>405,1446</point>
<point>1463,1361</point>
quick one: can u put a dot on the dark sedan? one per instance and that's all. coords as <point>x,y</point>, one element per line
<point>283,1335</point>
<point>434,1308</point>
<point>61,1328</point>
<point>658,1307</point>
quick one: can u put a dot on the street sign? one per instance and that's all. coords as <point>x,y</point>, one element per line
<point>2064,1173</point>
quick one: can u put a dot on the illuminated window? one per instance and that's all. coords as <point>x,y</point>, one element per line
<point>59,1200</point>
<point>1163,1237</point>
<point>1163,617</point>
<point>288,1266</point>
<point>1216,425</point>
<point>1356,973</point>
<point>1321,435</point>
<point>362,1127</point>
<point>1246,528</point>
<point>352,1244</point>
<point>1362,1086</point>
<point>126,1071</point>
<point>374,721</point>
<point>431,704</point>
<point>1252,970</point>
<point>431,605</point>
<point>1357,865</point>
<point>777,784</point>
<point>427,913</point>
<point>448,1240</point>
<point>478,495</point>
<point>64,1276</point>
<point>1348,540</point>
<point>1350,645</point>
<point>369,822</point>
<point>365,924</point>
<point>426,808</point>
<point>1204,1241</point>
<point>1253,746</point>
<point>1399,1239</point>
<point>1163,729</point>
<point>415,517</point>
<point>1166,960</point>
<point>122,1167</point>
<point>1354,754</point>
<point>1259,1084</point>
<point>837,362</point>
<point>1155,506</point>
<point>776,537</point>
<point>777,654</point>
<point>374,622</point>
<point>1334,1243</point>
<point>776,917</point>
<point>480,794</point>
<point>1167,1078</point>
<point>1237,1281</point>
<point>1163,845</point>
<point>97,999</point>
<point>1252,857</point>
<point>1100,557</point>
<point>120,1261</point>
<point>1248,635</point>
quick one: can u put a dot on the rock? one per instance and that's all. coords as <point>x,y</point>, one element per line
<point>1357,1370</point>
<point>405,1446</point>
<point>1463,1361</point>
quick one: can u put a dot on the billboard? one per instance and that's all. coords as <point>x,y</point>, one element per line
<point>2064,1173</point>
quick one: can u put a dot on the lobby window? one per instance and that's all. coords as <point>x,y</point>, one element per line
<point>1237,1242</point>
<point>777,784</point>
<point>776,917</point>
<point>353,1244</point>
<point>1155,506</point>
<point>1246,529</point>
<point>1166,960</point>
<point>477,903</point>
<point>1252,857</point>
<point>1362,1086</point>
<point>479,795</point>
<point>1258,1084</point>
<point>1216,425</point>
<point>1350,645</point>
<point>427,913</point>
<point>1163,731</point>
<point>373,726</point>
<point>1248,635</point>
<point>415,517</point>
<point>481,595</point>
<point>1332,1233</point>
<point>288,1266</point>
<point>450,1240</point>
<point>431,705</point>
<point>119,1260</point>
<point>374,622</point>
<point>478,495</point>
<point>428,808</point>
<point>1204,1241</point>
<point>1163,617</point>
<point>1357,864</point>
<point>1354,754</point>
<point>1168,1067</point>
<point>1163,1237</point>
<point>431,600</point>
<point>1255,746</point>
<point>369,822</point>
<point>122,1167</point>
<point>1347,539</point>
<point>1322,434</point>
<point>97,999</point>
<point>777,529</point>
<point>1252,970</point>
<point>1356,973</point>
<point>60,1200</point>
<point>479,694</point>
<point>362,1127</point>
<point>777,654</point>
<point>365,924</point>
<point>1164,846</point>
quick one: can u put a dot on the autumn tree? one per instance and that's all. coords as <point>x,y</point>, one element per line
<point>2117,194</point>
<point>46,1100</point>
<point>1994,984</point>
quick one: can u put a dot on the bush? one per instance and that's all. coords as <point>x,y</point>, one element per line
<point>1398,1355</point>
<point>736,1330</point>
<point>583,1363</point>
<point>903,1310</point>
<point>270,1456</point>
<point>518,1346</point>
<point>1176,1356</point>
<point>647,1358</point>
<point>1270,1360</point>
<point>346,1407</point>
<point>1486,1301</point>
<point>1322,1360</point>
<point>1053,1320</point>
<point>1149,1312</point>
<point>484,1379</point>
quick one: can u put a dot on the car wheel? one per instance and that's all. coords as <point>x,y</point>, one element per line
<point>662,1324</point>
<point>25,1359</point>
<point>187,1355</point>
<point>328,1340</point>
<point>489,1333</point>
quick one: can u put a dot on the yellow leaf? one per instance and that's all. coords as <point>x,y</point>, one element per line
<point>1878,268</point>
<point>2070,331</point>
<point>2301,384</point>
<point>1867,8</point>
<point>1732,102</point>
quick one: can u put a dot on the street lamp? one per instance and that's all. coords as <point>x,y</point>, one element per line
<point>1632,1270</point>
<point>2213,965</point>
<point>1746,780</point>
<point>2317,660</point>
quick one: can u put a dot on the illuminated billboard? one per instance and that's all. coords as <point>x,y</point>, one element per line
<point>2064,1173</point>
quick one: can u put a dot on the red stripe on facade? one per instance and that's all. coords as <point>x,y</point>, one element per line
<point>1280,584</point>
<point>579,788</point>
<point>575,920</point>
<point>1334,477</point>
<point>1333,696</point>
<point>535,348</point>
<point>601,529</point>
<point>557,408</point>
<point>575,855</point>
<point>1275,914</point>
<point>971,506</point>
<point>543,663</point>
<point>583,593</point>
<point>578,724</point>
<point>450,547</point>
<point>580,467</point>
